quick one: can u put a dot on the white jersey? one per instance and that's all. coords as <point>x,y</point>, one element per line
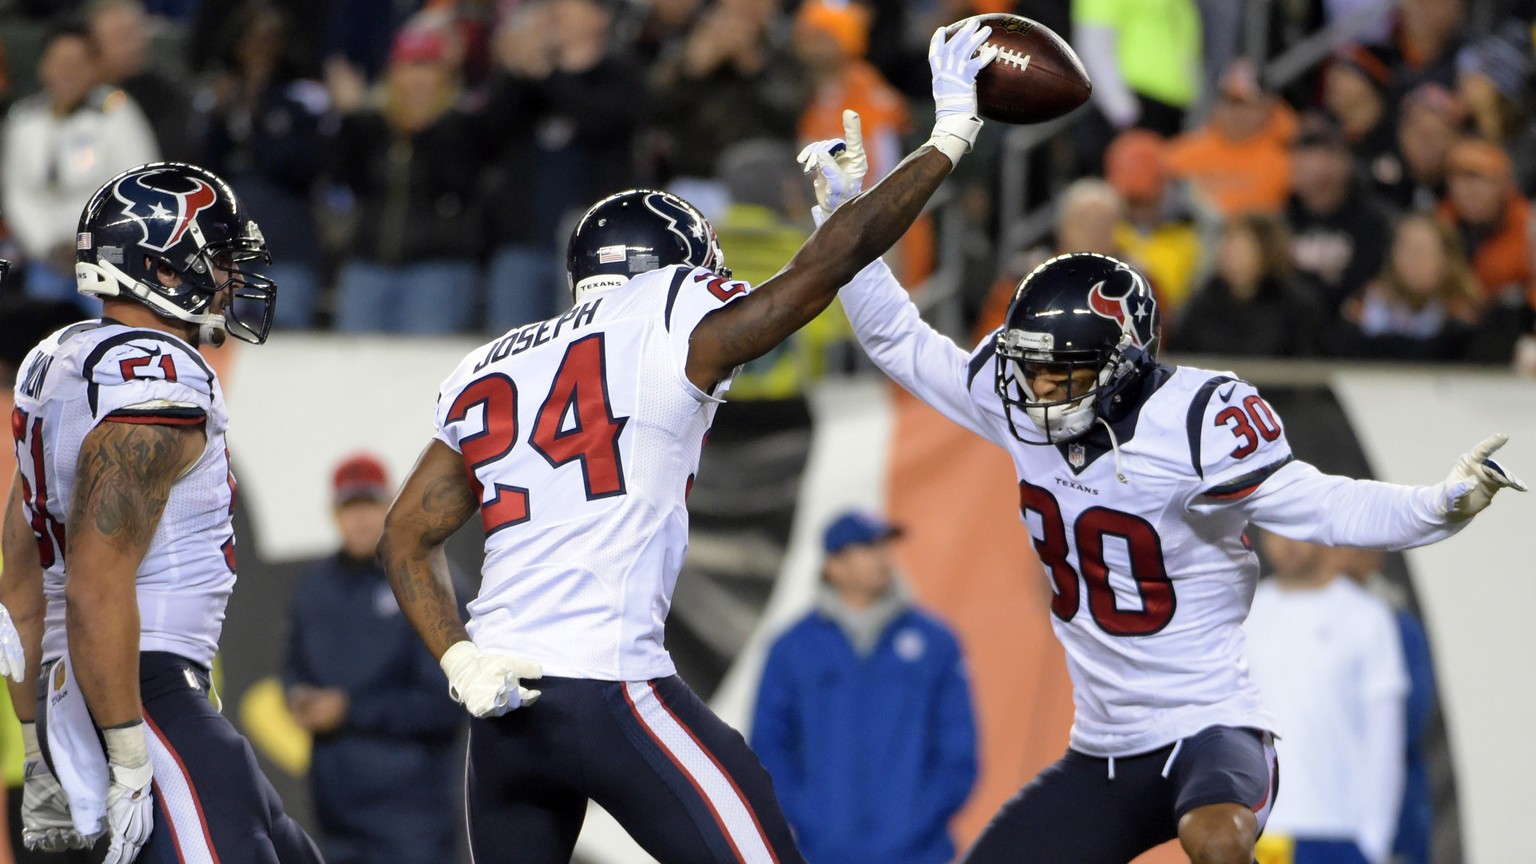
<point>581,435</point>
<point>102,371</point>
<point>1152,575</point>
<point>1330,663</point>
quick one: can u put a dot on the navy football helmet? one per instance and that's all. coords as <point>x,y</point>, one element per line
<point>1075,311</point>
<point>634,232</point>
<point>187,219</point>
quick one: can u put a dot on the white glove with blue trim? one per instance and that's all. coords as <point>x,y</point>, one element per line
<point>839,165</point>
<point>488,685</point>
<point>955,63</point>
<point>1474,480</point>
<point>130,797</point>
<point>13,659</point>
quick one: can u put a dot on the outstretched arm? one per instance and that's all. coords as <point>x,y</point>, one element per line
<point>21,593</point>
<point>855,234</point>
<point>435,501</point>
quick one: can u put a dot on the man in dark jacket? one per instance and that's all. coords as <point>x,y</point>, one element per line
<point>864,714</point>
<point>1340,230</point>
<point>383,772</point>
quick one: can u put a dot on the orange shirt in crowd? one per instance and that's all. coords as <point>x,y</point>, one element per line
<point>882,112</point>
<point>1235,177</point>
<point>1504,257</point>
<point>883,117</point>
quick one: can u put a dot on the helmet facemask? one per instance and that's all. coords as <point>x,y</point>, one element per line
<point>1022,355</point>
<point>167,218</point>
<point>213,268</point>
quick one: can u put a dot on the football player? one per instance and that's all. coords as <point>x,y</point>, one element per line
<point>119,544</point>
<point>576,440</point>
<point>1136,481</point>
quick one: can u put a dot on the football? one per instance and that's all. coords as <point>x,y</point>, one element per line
<point>1036,76</point>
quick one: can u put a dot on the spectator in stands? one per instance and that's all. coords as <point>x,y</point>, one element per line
<point>1416,816</point>
<point>1423,303</point>
<point>1490,216</point>
<point>60,145</point>
<point>413,167</point>
<point>1429,124</point>
<point>1355,92</point>
<point>1238,162</point>
<point>264,135</point>
<point>1145,59</point>
<point>1089,213</point>
<point>864,714</point>
<point>765,187</point>
<point>382,771</point>
<point>1340,693</point>
<point>729,83</point>
<point>121,33</point>
<point>1491,80</point>
<point>1161,243</point>
<point>565,114</point>
<point>1251,305</point>
<point>1425,40</point>
<point>831,37</point>
<point>1340,230</point>
<point>663,28</point>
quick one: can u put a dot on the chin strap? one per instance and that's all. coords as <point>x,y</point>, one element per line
<point>1114,448</point>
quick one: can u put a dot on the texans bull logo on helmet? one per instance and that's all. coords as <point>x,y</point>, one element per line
<point>698,239</point>
<point>164,204</point>
<point>1125,298</point>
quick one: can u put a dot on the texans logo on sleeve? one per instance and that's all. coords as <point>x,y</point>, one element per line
<point>164,205</point>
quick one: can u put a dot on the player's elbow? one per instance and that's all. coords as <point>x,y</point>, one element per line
<point>398,542</point>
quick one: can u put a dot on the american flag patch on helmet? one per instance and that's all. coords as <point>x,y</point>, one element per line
<point>610,254</point>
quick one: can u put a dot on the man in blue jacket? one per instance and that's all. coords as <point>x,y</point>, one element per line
<point>864,713</point>
<point>383,773</point>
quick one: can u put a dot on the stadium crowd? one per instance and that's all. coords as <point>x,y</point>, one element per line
<point>416,166</point>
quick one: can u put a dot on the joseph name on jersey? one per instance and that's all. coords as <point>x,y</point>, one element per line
<point>582,435</point>
<point>1142,537</point>
<point>102,371</point>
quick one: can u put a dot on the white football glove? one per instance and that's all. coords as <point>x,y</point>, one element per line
<point>45,822</point>
<point>488,685</point>
<point>839,164</point>
<point>13,660</point>
<point>1474,480</point>
<point>130,798</point>
<point>955,62</point>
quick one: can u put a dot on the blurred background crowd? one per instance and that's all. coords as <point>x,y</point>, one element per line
<point>1298,178</point>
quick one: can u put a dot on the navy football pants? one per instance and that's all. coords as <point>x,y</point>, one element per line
<point>212,803</point>
<point>682,783</point>
<point>1082,811</point>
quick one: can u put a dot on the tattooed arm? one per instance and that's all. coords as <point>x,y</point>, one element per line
<point>122,481</point>
<point>855,234</point>
<point>21,592</point>
<point>434,502</point>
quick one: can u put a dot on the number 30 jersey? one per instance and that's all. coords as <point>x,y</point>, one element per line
<point>103,372</point>
<point>1142,537</point>
<point>581,435</point>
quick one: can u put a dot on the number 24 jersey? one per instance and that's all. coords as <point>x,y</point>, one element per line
<point>582,435</point>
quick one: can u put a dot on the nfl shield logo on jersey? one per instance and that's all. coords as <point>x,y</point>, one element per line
<point>1075,455</point>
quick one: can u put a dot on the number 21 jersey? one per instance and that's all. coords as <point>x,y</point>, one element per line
<point>581,435</point>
